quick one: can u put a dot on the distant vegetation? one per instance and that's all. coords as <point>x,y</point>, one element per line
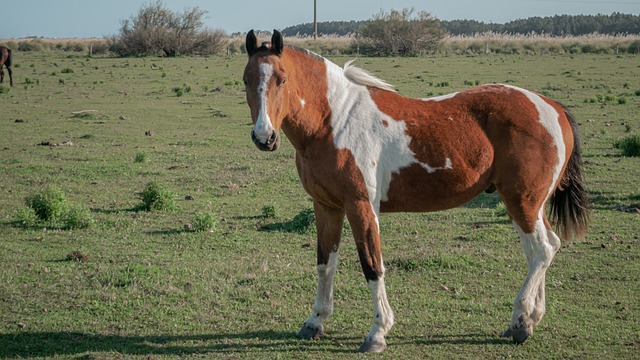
<point>157,31</point>
<point>558,25</point>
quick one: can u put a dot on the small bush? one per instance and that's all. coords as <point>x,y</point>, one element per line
<point>49,205</point>
<point>622,100</point>
<point>204,221</point>
<point>156,197</point>
<point>4,89</point>
<point>140,157</point>
<point>303,221</point>
<point>27,217</point>
<point>67,71</point>
<point>270,211</point>
<point>629,145</point>
<point>179,92</point>
<point>77,217</point>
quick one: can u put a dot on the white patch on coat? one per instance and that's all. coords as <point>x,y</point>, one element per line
<point>379,143</point>
<point>441,97</point>
<point>302,102</point>
<point>263,127</point>
<point>548,117</point>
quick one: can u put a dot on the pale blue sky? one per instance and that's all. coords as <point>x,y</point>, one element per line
<point>92,18</point>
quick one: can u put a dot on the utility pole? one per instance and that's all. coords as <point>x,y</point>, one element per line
<point>315,19</point>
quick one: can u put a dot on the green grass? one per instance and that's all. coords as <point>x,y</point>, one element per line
<point>138,284</point>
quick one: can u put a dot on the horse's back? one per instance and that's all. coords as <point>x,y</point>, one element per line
<point>492,136</point>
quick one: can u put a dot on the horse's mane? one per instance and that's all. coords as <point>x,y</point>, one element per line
<point>354,74</point>
<point>363,77</point>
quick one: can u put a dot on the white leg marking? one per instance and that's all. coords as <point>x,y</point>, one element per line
<point>382,313</point>
<point>323,307</point>
<point>263,127</point>
<point>540,248</point>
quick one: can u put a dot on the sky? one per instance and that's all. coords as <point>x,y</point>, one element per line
<point>100,18</point>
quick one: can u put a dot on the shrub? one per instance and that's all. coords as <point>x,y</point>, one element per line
<point>4,89</point>
<point>303,221</point>
<point>49,205</point>
<point>398,32</point>
<point>140,157</point>
<point>27,217</point>
<point>157,197</point>
<point>270,211</point>
<point>77,217</point>
<point>158,31</point>
<point>204,221</point>
<point>629,145</point>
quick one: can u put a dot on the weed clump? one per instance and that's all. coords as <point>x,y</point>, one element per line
<point>51,207</point>
<point>303,221</point>
<point>271,211</point>
<point>204,221</point>
<point>140,157</point>
<point>157,197</point>
<point>629,145</point>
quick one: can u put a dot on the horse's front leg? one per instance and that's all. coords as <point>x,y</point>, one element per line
<point>364,224</point>
<point>329,225</point>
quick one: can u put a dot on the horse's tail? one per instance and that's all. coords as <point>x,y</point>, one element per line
<point>569,204</point>
<point>7,63</point>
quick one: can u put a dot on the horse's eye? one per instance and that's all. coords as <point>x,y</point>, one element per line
<point>245,82</point>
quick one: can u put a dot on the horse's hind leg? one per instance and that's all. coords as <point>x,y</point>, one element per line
<point>540,245</point>
<point>10,75</point>
<point>329,225</point>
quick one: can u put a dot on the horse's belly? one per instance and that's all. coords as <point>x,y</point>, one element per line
<point>415,190</point>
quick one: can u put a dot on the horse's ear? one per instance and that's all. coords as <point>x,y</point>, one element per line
<point>276,42</point>
<point>251,43</point>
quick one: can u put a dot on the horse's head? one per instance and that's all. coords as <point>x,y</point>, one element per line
<point>264,79</point>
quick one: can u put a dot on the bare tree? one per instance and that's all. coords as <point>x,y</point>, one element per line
<point>398,32</point>
<point>156,30</point>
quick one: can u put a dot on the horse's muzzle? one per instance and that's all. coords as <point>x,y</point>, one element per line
<point>272,143</point>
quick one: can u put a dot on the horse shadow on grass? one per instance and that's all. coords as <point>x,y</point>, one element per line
<point>26,344</point>
<point>69,344</point>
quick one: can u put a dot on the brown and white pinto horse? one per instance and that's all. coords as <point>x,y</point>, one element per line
<point>362,149</point>
<point>5,60</point>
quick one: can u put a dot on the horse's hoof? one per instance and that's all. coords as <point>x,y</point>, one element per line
<point>520,335</point>
<point>310,332</point>
<point>371,346</point>
<point>519,332</point>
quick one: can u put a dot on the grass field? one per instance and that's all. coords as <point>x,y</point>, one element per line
<point>139,284</point>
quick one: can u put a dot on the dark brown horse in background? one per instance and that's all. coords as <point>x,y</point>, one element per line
<point>5,60</point>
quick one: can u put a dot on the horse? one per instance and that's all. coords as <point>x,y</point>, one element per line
<point>362,149</point>
<point>5,59</point>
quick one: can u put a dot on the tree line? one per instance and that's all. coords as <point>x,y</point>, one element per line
<point>558,25</point>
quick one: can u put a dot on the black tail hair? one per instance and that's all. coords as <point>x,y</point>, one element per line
<point>569,204</point>
<point>7,62</point>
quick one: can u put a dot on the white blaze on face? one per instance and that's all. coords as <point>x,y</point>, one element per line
<point>263,127</point>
